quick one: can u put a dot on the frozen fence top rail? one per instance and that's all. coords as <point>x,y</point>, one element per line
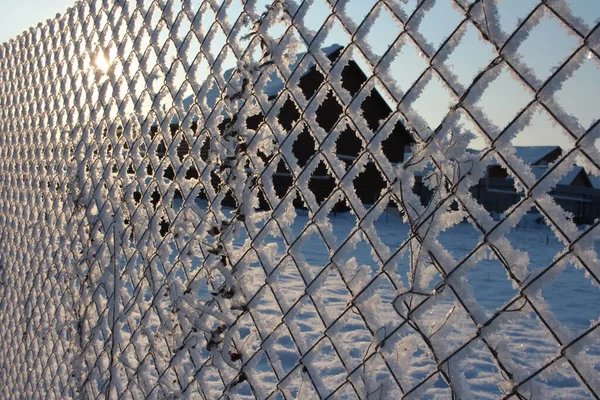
<point>204,199</point>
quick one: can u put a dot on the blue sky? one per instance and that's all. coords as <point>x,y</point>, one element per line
<point>543,51</point>
<point>19,15</point>
<point>545,48</point>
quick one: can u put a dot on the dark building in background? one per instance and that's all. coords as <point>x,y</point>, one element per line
<point>375,110</point>
<point>576,192</point>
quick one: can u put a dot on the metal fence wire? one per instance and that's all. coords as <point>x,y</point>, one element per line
<point>218,199</point>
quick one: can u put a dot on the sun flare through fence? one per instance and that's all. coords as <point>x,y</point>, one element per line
<point>298,199</point>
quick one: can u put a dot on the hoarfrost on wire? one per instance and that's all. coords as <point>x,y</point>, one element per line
<point>142,216</point>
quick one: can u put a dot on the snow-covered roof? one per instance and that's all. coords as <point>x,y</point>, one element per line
<point>530,155</point>
<point>595,180</point>
<point>533,154</point>
<point>571,175</point>
<point>569,178</point>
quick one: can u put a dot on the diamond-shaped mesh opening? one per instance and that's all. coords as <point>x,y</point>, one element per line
<point>359,266</point>
<point>351,328</point>
<point>325,367</point>
<point>299,384</point>
<point>557,382</point>
<point>539,120</point>
<point>575,102</point>
<point>348,145</point>
<point>369,184</point>
<point>199,67</point>
<point>228,200</point>
<point>543,28</point>
<point>405,350</point>
<point>490,284</point>
<point>304,323</point>
<point>261,375</point>
<point>422,282</point>
<point>375,109</point>
<point>282,179</point>
<point>439,20</point>
<point>331,294</point>
<point>484,378</point>
<point>168,171</point>
<point>434,102</point>
<point>315,254</point>
<point>398,267</point>
<point>353,77</point>
<point>282,351</point>
<point>509,17</point>
<point>461,238</point>
<point>397,144</point>
<point>343,222</point>
<point>288,284</point>
<point>378,311</point>
<point>263,202</point>
<point>315,15</point>
<point>525,342</point>
<point>358,10</point>
<point>321,183</point>
<point>304,147</point>
<point>426,182</point>
<point>271,246</point>
<point>446,324</point>
<point>573,285</point>
<point>407,65</point>
<point>492,106</point>
<point>288,115</point>
<point>468,57</point>
<point>379,383</point>
<point>380,31</point>
<point>311,78</point>
<point>329,112</point>
<point>387,232</point>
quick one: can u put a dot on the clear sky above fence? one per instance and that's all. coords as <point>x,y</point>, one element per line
<point>543,51</point>
<point>19,15</point>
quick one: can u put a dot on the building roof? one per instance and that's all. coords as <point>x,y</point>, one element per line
<point>595,180</point>
<point>531,155</point>
<point>571,175</point>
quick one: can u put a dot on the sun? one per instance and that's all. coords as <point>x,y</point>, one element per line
<point>101,63</point>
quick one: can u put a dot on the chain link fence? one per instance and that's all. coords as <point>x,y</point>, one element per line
<point>218,199</point>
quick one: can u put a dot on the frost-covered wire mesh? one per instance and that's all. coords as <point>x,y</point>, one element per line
<point>218,199</point>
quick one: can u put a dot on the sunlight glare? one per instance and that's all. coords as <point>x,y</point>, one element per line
<point>101,63</point>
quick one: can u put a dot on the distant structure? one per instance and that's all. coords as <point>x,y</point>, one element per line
<point>369,183</point>
<point>576,192</point>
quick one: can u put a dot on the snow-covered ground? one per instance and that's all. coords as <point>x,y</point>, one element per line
<point>337,312</point>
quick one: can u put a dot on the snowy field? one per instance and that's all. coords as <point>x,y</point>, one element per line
<point>349,325</point>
